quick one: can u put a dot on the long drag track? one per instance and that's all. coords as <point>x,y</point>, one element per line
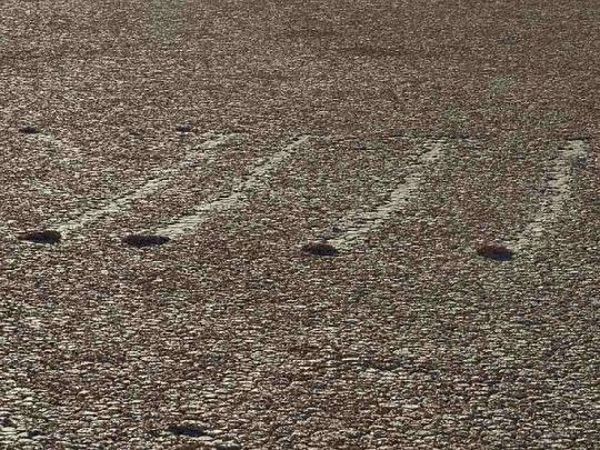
<point>299,225</point>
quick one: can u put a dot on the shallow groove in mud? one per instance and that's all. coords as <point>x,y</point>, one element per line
<point>354,228</point>
<point>560,182</point>
<point>237,195</point>
<point>122,203</point>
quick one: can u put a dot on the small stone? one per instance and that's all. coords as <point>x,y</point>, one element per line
<point>145,240</point>
<point>495,251</point>
<point>6,422</point>
<point>40,237</point>
<point>184,128</point>
<point>188,429</point>
<point>320,249</point>
<point>29,129</point>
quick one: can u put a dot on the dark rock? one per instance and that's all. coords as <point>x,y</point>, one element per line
<point>40,237</point>
<point>320,249</point>
<point>184,128</point>
<point>494,251</point>
<point>188,429</point>
<point>7,422</point>
<point>28,129</point>
<point>145,240</point>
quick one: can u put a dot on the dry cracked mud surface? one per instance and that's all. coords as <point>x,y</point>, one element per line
<point>166,165</point>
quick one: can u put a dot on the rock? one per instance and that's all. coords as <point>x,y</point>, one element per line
<point>29,129</point>
<point>189,429</point>
<point>494,251</point>
<point>184,128</point>
<point>40,237</point>
<point>320,249</point>
<point>145,240</point>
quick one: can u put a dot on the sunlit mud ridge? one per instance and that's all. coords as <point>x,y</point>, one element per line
<point>560,181</point>
<point>164,178</point>
<point>353,229</point>
<point>238,194</point>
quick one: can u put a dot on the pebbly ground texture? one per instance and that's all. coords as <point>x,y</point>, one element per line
<point>324,114</point>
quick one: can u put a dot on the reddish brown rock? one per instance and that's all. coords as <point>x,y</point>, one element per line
<point>40,237</point>
<point>145,240</point>
<point>495,251</point>
<point>320,249</point>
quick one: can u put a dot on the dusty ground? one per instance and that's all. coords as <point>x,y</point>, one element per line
<point>230,337</point>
